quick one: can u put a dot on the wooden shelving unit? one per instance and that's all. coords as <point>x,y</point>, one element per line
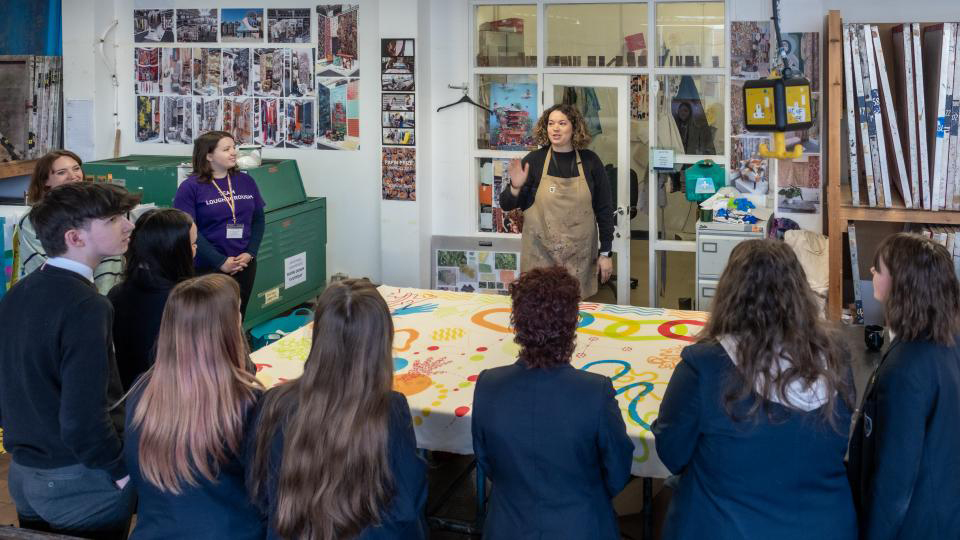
<point>9,169</point>
<point>840,211</point>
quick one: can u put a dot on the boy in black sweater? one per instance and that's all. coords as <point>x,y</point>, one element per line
<point>58,376</point>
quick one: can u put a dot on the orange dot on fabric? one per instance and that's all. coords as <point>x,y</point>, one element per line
<point>461,411</point>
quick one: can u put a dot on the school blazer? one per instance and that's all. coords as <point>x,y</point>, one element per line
<point>554,444</point>
<point>758,479</point>
<point>904,462</point>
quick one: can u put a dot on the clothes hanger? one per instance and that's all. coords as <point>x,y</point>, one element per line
<point>463,99</point>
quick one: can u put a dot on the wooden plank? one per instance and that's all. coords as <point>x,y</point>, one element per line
<point>870,163</point>
<point>948,118</point>
<point>877,125</point>
<point>852,126</point>
<point>903,81</point>
<point>17,168</point>
<point>855,273</point>
<point>833,101</point>
<point>923,165</point>
<point>953,165</point>
<point>936,44</point>
<point>893,136</point>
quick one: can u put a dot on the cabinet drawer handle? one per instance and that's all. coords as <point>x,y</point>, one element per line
<point>709,247</point>
<point>707,292</point>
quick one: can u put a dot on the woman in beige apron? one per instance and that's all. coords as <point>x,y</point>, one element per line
<point>560,227</point>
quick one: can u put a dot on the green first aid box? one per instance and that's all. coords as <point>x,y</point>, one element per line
<point>291,263</point>
<point>703,179</point>
<point>156,178</point>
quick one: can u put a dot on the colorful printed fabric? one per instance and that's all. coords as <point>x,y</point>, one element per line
<point>444,339</point>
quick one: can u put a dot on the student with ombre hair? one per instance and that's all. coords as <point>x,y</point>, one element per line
<point>187,420</point>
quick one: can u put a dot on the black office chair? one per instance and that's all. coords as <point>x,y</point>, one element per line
<point>631,209</point>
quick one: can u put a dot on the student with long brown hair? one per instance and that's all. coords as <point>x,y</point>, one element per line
<point>187,418</point>
<point>335,452</point>
<point>756,415</point>
<point>905,450</point>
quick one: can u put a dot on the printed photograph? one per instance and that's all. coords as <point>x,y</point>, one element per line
<point>398,119</point>
<point>197,25</point>
<point>399,65</point>
<point>798,185</point>
<point>399,167</point>
<point>397,102</point>
<point>209,114</point>
<point>396,47</point>
<point>398,136</point>
<point>803,55</point>
<point>514,115</point>
<point>206,71</point>
<point>299,118</point>
<point>146,70</point>
<point>750,49</point>
<point>288,25</point>
<point>153,26</point>
<point>148,119</point>
<point>269,122</point>
<point>241,25</point>
<point>236,72</point>
<point>267,72</point>
<point>397,83</point>
<point>298,73</point>
<point>177,71</point>
<point>494,176</point>
<point>338,118</point>
<point>238,118</point>
<point>337,40</point>
<point>447,278</point>
<point>177,119</point>
<point>748,172</point>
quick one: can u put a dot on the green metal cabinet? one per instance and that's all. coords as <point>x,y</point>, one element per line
<point>291,263</point>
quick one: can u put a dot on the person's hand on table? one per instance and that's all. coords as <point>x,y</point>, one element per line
<point>604,268</point>
<point>518,175</point>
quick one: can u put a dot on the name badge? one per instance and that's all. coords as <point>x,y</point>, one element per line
<point>234,231</point>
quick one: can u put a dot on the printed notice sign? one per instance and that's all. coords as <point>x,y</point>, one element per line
<point>295,270</point>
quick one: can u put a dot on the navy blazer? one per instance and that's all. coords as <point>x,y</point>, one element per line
<point>761,478</point>
<point>403,518</point>
<point>219,509</point>
<point>554,444</point>
<point>905,449</point>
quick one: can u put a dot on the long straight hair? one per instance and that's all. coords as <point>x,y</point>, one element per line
<point>160,247</point>
<point>334,475</point>
<point>763,300</point>
<point>37,188</point>
<point>196,396</point>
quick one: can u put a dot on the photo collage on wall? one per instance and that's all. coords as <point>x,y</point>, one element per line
<point>263,85</point>
<point>476,271</point>
<point>752,56</point>
<point>398,113</point>
<point>494,176</point>
<point>338,77</point>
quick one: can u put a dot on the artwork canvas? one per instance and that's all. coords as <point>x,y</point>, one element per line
<point>197,25</point>
<point>337,50</point>
<point>338,118</point>
<point>176,71</point>
<point>241,25</point>
<point>206,71</point>
<point>177,119</point>
<point>288,25</point>
<point>146,70</point>
<point>153,26</point>
<point>236,72</point>
<point>399,168</point>
<point>148,119</point>
<point>514,115</point>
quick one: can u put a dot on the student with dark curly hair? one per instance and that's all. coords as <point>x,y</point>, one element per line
<point>904,461</point>
<point>564,193</point>
<point>549,436</point>
<point>756,414</point>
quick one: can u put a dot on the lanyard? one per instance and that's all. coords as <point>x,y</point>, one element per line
<point>229,200</point>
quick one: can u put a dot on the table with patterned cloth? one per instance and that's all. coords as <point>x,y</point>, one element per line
<point>444,339</point>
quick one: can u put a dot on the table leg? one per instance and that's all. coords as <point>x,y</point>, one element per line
<point>647,508</point>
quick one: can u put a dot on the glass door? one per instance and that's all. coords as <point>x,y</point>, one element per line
<point>604,102</point>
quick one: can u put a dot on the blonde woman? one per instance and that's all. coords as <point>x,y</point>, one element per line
<point>187,418</point>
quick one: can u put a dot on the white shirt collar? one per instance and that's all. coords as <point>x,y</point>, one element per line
<point>73,266</point>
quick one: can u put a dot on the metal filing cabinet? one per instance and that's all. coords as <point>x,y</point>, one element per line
<point>715,241</point>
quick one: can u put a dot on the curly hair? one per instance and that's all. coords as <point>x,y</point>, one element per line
<point>924,299</point>
<point>546,309</point>
<point>763,300</point>
<point>580,138</point>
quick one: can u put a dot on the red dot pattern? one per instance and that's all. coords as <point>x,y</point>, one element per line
<point>461,411</point>
<point>472,378</point>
